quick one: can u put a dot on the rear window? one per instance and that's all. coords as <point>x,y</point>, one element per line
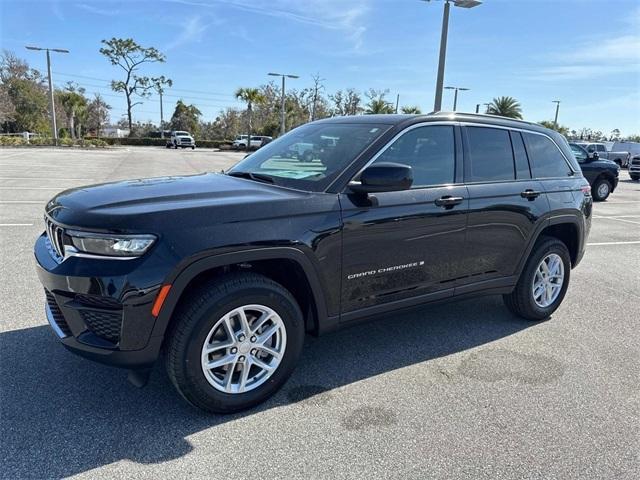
<point>491,156</point>
<point>545,157</point>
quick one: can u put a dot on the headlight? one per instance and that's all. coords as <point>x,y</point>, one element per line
<point>110,245</point>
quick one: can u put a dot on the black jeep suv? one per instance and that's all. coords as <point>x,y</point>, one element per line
<point>221,275</point>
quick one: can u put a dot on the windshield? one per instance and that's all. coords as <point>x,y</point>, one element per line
<point>182,134</point>
<point>311,156</point>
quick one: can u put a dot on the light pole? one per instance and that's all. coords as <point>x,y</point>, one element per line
<point>486,107</point>
<point>437,106</point>
<point>557,102</point>
<point>54,127</point>
<point>455,95</point>
<point>283,75</point>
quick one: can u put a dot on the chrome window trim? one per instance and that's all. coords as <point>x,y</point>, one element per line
<point>450,123</point>
<point>525,130</point>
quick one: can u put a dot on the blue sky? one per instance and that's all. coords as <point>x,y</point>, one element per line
<point>584,52</point>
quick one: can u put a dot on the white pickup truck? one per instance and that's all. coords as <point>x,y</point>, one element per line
<point>257,141</point>
<point>621,158</point>
<point>181,139</point>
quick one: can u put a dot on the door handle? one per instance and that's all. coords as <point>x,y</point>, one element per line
<point>530,194</point>
<point>448,201</point>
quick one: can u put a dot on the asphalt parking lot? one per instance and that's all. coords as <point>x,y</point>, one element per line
<point>463,390</point>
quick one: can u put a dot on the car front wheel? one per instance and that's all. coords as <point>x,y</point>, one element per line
<point>543,282</point>
<point>234,343</point>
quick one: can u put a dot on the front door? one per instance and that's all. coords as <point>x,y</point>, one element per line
<point>409,243</point>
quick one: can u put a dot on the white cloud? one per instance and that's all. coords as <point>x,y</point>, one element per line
<point>593,58</point>
<point>327,14</point>
<point>98,11</point>
<point>623,47</point>
<point>192,31</point>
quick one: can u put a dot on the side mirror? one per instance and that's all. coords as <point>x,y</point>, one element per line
<point>594,155</point>
<point>384,177</point>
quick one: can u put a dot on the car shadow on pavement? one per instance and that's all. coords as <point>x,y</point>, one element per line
<point>61,415</point>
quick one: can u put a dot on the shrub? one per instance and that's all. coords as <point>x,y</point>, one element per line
<point>161,142</point>
<point>12,141</point>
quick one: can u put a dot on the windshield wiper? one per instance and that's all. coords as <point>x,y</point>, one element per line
<point>258,177</point>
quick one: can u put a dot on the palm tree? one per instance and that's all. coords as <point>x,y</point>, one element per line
<point>250,96</point>
<point>411,109</point>
<point>505,107</point>
<point>379,105</point>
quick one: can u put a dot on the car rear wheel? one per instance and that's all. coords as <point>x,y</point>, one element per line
<point>601,189</point>
<point>234,343</point>
<point>543,282</point>
<point>635,178</point>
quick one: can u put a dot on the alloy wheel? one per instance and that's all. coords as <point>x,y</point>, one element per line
<point>243,349</point>
<point>548,280</point>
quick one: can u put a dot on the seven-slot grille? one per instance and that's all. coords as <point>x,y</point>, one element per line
<point>56,237</point>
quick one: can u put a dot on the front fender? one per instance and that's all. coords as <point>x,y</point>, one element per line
<point>180,279</point>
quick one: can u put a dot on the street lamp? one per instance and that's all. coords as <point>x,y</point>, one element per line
<point>437,106</point>
<point>455,95</point>
<point>557,102</point>
<point>283,75</point>
<point>54,127</point>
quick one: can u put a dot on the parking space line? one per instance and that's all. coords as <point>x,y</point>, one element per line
<point>47,178</point>
<point>633,242</point>
<point>29,188</point>
<point>24,201</point>
<point>16,224</point>
<point>616,219</point>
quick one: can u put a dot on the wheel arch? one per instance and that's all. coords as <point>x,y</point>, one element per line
<point>567,228</point>
<point>301,280</point>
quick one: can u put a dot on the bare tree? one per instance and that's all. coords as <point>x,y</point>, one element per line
<point>128,55</point>
<point>348,102</point>
<point>318,88</point>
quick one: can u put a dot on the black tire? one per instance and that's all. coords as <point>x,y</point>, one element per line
<point>598,184</point>
<point>175,146</point>
<point>197,315</point>
<point>193,148</point>
<point>521,301</point>
<point>168,145</point>
<point>635,178</point>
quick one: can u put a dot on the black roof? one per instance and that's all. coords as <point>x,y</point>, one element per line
<point>398,119</point>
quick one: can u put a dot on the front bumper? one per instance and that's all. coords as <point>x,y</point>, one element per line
<point>106,319</point>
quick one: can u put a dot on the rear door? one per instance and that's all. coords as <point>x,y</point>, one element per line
<point>551,168</point>
<point>505,203</point>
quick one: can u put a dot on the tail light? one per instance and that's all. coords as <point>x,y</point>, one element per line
<point>586,189</point>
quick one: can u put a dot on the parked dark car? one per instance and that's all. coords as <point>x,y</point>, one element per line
<point>601,173</point>
<point>634,168</point>
<point>222,275</point>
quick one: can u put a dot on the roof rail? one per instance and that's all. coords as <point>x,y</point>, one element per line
<point>483,115</point>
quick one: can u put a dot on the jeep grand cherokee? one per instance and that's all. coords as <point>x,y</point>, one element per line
<point>221,275</point>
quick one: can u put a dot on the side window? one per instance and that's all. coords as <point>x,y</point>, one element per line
<point>520,154</point>
<point>546,159</point>
<point>491,155</point>
<point>600,148</point>
<point>579,153</point>
<point>429,151</point>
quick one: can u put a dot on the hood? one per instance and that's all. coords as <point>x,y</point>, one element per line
<point>137,205</point>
